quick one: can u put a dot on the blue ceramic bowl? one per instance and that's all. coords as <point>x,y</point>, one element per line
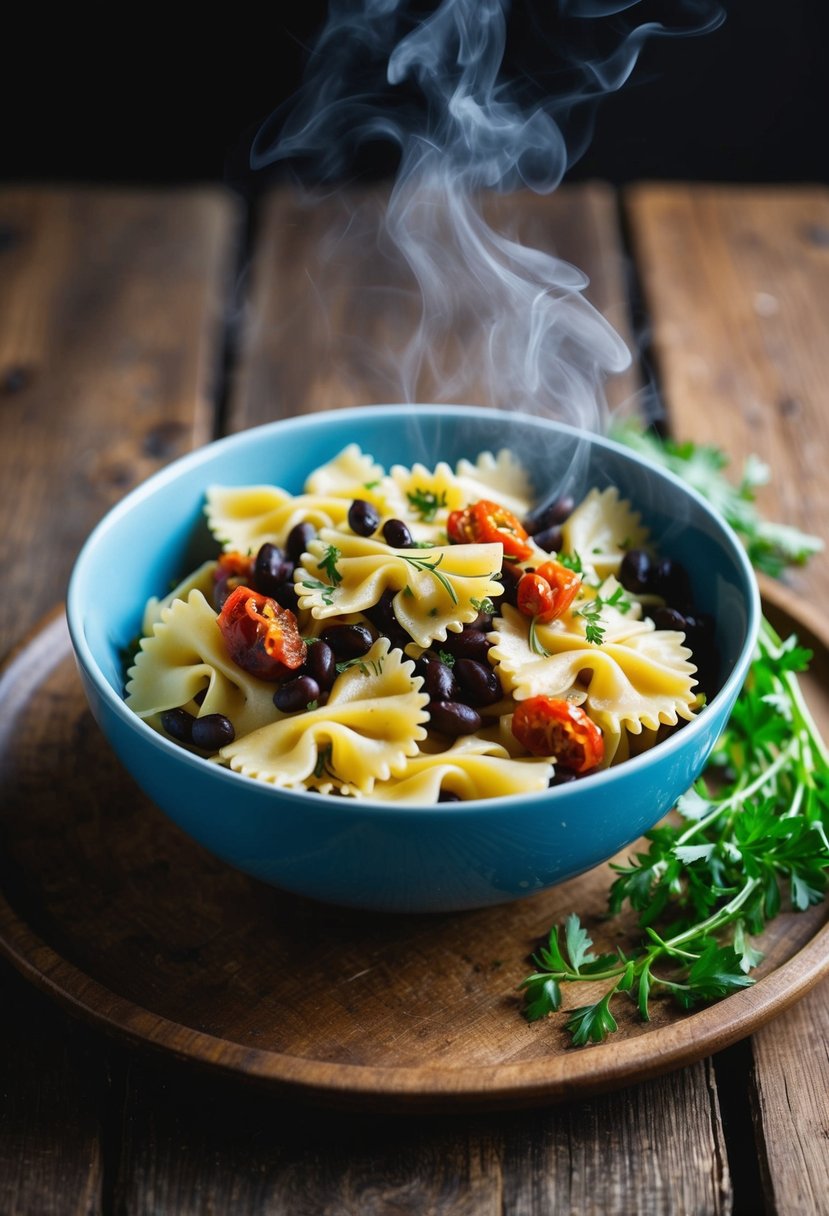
<point>375,855</point>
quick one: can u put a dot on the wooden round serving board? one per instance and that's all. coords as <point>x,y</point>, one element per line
<point>108,907</point>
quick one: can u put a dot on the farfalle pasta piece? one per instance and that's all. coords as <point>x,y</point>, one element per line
<point>245,518</point>
<point>501,477</point>
<point>471,768</point>
<point>200,580</point>
<point>186,655</point>
<point>350,471</point>
<point>601,529</point>
<point>437,589</point>
<point>371,724</point>
<point>429,496</point>
<point>641,680</point>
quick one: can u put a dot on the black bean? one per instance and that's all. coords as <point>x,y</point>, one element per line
<point>178,724</point>
<point>296,694</point>
<point>553,513</point>
<point>396,533</point>
<point>478,681</point>
<point>669,618</point>
<point>348,641</point>
<point>381,614</point>
<point>700,624</point>
<point>549,539</point>
<point>363,517</point>
<point>270,569</point>
<point>562,776</point>
<point>510,577</point>
<point>320,665</point>
<point>453,718</point>
<point>636,570</point>
<point>470,644</point>
<point>212,732</point>
<point>438,679</point>
<point>298,540</point>
<point>286,595</point>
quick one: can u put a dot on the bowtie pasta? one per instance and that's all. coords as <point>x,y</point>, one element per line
<point>420,635</point>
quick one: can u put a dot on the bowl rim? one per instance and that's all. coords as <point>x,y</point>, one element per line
<point>321,419</point>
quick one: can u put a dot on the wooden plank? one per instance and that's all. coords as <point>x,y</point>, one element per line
<point>737,283</point>
<point>112,315</point>
<point>53,1111</point>
<point>199,1145</point>
<point>113,306</point>
<point>791,1098</point>
<point>330,318</point>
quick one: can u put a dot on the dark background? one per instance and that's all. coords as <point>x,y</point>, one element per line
<point>162,101</point>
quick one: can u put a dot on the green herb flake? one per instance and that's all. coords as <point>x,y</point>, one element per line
<point>328,563</point>
<point>426,503</point>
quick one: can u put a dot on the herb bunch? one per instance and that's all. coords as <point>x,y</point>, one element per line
<point>750,838</point>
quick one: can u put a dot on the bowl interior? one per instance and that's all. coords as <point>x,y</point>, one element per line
<point>157,533</point>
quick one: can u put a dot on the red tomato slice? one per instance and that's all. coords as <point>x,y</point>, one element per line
<point>564,582</point>
<point>260,635</point>
<point>492,522</point>
<point>547,592</point>
<point>535,597</point>
<point>551,726</point>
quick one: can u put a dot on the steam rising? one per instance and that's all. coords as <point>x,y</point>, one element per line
<point>525,336</point>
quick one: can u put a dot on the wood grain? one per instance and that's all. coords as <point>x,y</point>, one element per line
<point>328,318</point>
<point>112,305</point>
<point>736,281</point>
<point>116,912</point>
<point>609,1156</point>
<point>736,284</point>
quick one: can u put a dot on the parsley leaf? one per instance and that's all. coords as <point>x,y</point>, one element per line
<point>750,839</point>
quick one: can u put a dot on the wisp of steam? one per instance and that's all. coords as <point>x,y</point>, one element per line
<point>524,337</point>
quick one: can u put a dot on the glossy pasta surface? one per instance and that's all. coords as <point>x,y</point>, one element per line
<point>378,729</point>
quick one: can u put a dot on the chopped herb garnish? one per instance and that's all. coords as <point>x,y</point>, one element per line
<point>592,613</point>
<point>446,658</point>
<point>328,563</point>
<point>325,589</point>
<point>366,666</point>
<point>571,561</point>
<point>535,644</point>
<point>426,503</point>
<point>485,605</point>
<point>422,563</point>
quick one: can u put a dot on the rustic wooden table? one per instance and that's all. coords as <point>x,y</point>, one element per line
<point>135,325</point>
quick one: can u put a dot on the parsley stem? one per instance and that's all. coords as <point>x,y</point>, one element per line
<point>741,795</point>
<point>718,918</point>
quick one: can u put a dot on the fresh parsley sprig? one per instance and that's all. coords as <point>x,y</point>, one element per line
<point>594,630</point>
<point>749,839</point>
